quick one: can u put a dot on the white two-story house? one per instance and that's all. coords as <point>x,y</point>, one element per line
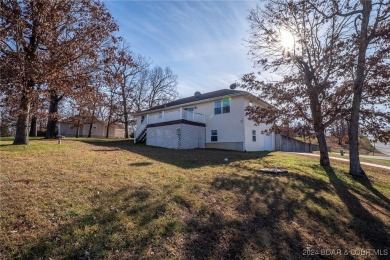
<point>211,120</point>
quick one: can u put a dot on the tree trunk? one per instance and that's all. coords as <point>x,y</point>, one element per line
<point>125,113</point>
<point>91,125</point>
<point>78,130</point>
<point>21,136</point>
<point>315,109</point>
<point>108,129</point>
<point>324,155</point>
<point>355,168</point>
<point>52,120</point>
<point>90,130</point>
<point>110,114</point>
<point>319,130</point>
<point>126,125</point>
<point>33,127</point>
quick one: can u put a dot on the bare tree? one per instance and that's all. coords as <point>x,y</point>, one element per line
<point>339,129</point>
<point>125,69</point>
<point>141,92</point>
<point>42,44</point>
<point>162,86</point>
<point>6,117</point>
<point>290,38</point>
<point>369,36</point>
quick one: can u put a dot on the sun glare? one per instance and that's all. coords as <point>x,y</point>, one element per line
<point>287,39</point>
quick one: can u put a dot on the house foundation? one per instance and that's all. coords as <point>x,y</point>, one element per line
<point>178,134</point>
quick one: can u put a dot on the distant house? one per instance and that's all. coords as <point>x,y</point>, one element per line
<point>211,120</point>
<point>99,129</point>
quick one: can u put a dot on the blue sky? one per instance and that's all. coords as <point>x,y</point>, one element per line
<point>201,41</point>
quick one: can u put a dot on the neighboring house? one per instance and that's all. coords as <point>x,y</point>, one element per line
<point>99,129</point>
<point>211,120</point>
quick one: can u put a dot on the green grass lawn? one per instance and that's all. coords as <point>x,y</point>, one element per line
<point>118,200</point>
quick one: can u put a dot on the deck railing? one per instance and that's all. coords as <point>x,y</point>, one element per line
<point>169,116</point>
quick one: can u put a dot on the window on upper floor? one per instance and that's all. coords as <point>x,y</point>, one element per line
<point>254,135</point>
<point>214,136</point>
<point>222,106</point>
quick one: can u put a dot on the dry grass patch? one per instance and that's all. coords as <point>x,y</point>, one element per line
<point>116,200</point>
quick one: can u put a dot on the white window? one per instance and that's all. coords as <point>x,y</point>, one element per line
<point>222,106</point>
<point>214,136</point>
<point>254,135</point>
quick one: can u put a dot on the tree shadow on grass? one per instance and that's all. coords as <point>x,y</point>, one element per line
<point>187,159</point>
<point>6,145</point>
<point>281,216</point>
<point>366,225</point>
<point>123,225</point>
<point>253,216</point>
<point>368,184</point>
<point>140,164</point>
<point>266,225</point>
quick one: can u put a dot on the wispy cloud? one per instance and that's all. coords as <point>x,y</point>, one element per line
<point>202,41</point>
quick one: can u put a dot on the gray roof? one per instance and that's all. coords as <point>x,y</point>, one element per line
<point>213,94</point>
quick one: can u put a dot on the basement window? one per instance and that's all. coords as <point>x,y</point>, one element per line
<point>214,136</point>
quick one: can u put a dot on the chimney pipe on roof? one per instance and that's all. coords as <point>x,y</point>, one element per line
<point>233,86</point>
<point>197,95</point>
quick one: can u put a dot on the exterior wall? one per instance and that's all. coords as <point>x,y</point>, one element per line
<point>230,126</point>
<point>234,129</point>
<point>263,142</point>
<point>177,136</point>
<point>237,146</point>
<point>98,130</point>
<point>138,120</point>
<point>119,133</point>
<point>287,144</point>
<point>66,129</point>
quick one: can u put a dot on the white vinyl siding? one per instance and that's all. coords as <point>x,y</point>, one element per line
<point>98,130</point>
<point>233,129</point>
<point>230,126</point>
<point>177,136</point>
<point>263,142</point>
